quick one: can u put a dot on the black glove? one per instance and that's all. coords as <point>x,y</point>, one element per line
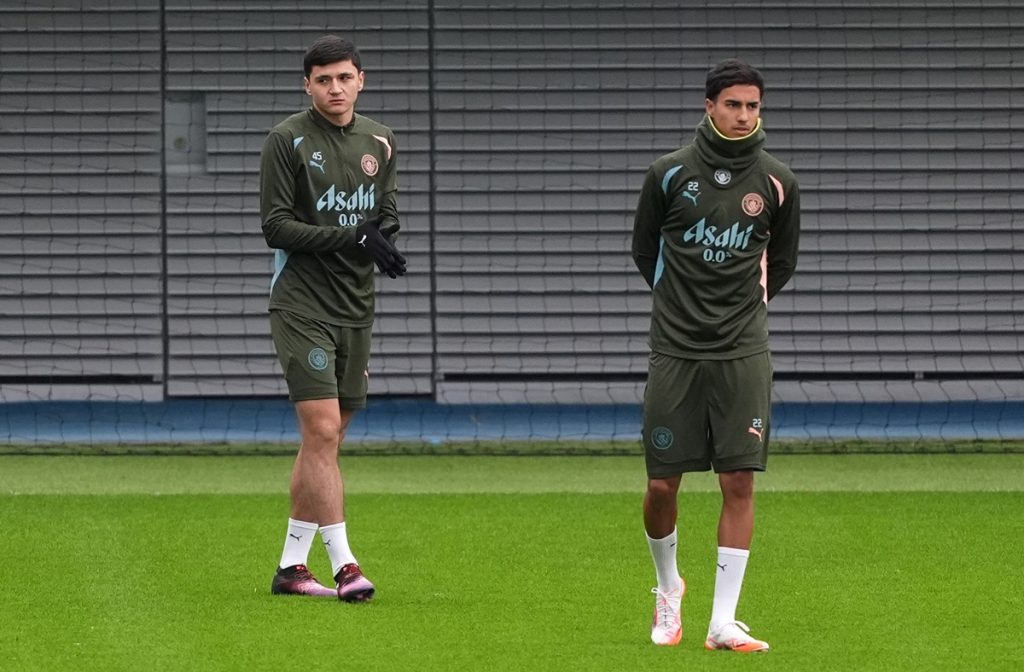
<point>383,253</point>
<point>389,228</point>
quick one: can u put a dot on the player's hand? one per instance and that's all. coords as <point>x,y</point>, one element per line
<point>383,253</point>
<point>389,227</point>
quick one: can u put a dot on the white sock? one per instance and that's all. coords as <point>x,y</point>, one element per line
<point>663,552</point>
<point>297,543</point>
<point>336,542</point>
<point>732,564</point>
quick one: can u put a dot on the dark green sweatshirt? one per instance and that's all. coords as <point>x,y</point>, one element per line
<point>319,181</point>
<point>715,236</point>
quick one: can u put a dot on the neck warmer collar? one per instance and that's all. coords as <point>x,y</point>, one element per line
<point>718,151</point>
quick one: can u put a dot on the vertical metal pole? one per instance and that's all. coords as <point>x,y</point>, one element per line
<point>431,197</point>
<point>164,321</point>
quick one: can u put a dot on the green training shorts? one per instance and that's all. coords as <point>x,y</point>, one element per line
<point>320,360</point>
<point>703,414</point>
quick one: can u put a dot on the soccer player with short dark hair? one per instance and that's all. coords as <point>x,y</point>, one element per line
<point>329,209</point>
<point>715,236</point>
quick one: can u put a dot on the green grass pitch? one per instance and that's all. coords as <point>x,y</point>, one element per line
<point>860,562</point>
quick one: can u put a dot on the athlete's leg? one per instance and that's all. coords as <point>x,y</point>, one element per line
<point>661,506</point>
<point>318,490</point>
<point>316,493</point>
<point>316,487</point>
<point>735,531</point>
<point>740,425</point>
<point>736,522</point>
<point>660,512</point>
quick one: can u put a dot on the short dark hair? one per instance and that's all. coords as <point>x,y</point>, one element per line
<point>330,49</point>
<point>731,72</point>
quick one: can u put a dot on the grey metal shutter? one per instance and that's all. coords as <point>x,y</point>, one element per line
<point>80,201</point>
<point>896,118</point>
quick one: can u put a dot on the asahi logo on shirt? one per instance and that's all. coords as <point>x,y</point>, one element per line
<point>704,234</point>
<point>717,242</point>
<point>335,199</point>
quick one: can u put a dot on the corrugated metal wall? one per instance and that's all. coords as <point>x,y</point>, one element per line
<point>897,118</point>
<point>80,203</point>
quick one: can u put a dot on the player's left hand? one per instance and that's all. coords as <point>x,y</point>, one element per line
<point>380,249</point>
<point>389,228</point>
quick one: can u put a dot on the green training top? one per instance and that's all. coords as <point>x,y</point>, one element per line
<point>715,236</point>
<point>319,181</point>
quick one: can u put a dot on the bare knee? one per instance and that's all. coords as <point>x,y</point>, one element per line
<point>321,432</point>
<point>322,424</point>
<point>662,492</point>
<point>737,486</point>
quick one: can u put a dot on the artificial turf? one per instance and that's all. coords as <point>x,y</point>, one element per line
<point>507,564</point>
